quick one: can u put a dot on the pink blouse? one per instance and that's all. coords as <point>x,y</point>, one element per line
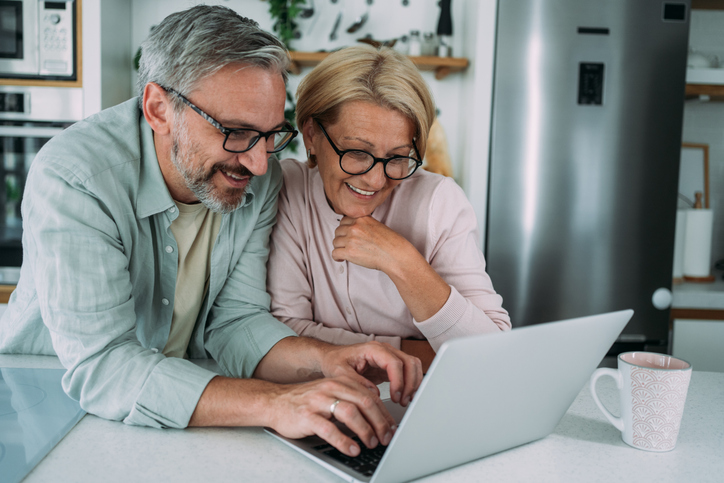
<point>344,303</point>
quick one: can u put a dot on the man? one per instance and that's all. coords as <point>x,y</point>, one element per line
<point>145,240</point>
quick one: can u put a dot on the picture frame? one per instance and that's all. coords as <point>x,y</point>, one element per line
<point>694,172</point>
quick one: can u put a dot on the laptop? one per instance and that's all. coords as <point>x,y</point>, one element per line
<point>482,395</point>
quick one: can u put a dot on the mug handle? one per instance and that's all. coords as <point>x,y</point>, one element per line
<point>617,422</point>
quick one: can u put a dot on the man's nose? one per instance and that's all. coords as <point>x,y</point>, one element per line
<point>255,159</point>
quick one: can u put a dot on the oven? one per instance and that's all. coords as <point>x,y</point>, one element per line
<point>29,118</point>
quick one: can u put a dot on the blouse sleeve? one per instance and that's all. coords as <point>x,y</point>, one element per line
<point>289,283</point>
<point>473,306</point>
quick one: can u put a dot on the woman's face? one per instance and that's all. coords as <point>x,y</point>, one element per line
<point>381,132</point>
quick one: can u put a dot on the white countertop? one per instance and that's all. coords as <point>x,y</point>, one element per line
<point>705,296</point>
<point>583,448</point>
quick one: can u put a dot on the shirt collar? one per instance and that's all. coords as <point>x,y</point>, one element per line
<point>153,195</point>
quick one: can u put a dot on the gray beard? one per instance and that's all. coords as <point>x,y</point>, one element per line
<point>199,181</point>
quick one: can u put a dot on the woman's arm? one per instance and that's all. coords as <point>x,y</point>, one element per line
<point>370,244</point>
<point>450,295</point>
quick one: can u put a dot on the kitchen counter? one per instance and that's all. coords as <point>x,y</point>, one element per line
<point>583,447</point>
<point>702,296</point>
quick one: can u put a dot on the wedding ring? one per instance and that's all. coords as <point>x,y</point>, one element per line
<point>333,406</point>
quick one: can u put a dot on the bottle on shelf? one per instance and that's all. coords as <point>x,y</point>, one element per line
<point>414,44</point>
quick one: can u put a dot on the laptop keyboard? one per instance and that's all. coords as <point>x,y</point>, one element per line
<point>365,463</point>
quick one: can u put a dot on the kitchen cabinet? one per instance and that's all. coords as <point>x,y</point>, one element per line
<point>698,325</point>
<point>443,66</point>
<point>700,342</point>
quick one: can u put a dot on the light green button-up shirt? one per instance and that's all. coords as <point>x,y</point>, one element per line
<point>99,272</point>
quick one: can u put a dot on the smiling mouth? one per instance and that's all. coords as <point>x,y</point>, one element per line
<point>362,192</point>
<point>233,175</point>
<point>235,180</point>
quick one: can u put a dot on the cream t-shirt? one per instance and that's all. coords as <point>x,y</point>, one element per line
<point>195,230</point>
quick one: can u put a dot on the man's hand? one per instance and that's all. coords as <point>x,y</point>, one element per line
<point>377,362</point>
<point>305,409</point>
<point>298,410</point>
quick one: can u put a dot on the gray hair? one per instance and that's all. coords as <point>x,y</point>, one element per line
<point>190,45</point>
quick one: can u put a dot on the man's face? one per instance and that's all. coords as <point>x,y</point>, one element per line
<point>237,97</point>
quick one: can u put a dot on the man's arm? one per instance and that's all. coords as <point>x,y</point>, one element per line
<point>304,409</point>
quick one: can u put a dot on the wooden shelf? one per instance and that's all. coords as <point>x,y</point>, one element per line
<point>5,291</point>
<point>443,66</point>
<point>714,91</point>
<point>707,4</point>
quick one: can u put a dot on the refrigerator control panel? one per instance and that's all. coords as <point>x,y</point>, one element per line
<point>590,83</point>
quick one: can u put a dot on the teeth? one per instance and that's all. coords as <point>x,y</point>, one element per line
<point>362,192</point>
<point>232,175</point>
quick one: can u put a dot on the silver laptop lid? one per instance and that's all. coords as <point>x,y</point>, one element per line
<point>489,393</point>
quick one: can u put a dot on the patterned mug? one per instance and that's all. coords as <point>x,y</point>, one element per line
<point>653,391</point>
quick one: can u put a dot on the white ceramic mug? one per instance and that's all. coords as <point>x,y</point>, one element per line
<point>653,391</point>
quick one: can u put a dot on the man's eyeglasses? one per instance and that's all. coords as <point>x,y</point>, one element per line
<point>242,140</point>
<point>356,161</point>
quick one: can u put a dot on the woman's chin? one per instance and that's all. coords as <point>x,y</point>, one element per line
<point>356,211</point>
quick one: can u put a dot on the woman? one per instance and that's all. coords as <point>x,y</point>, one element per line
<point>368,246</point>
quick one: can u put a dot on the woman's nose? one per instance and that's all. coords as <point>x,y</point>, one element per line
<point>375,177</point>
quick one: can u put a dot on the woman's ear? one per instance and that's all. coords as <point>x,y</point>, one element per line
<point>308,132</point>
<point>157,109</point>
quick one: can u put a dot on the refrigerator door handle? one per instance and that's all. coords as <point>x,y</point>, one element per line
<point>662,298</point>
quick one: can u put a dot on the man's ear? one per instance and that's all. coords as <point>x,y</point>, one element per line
<point>157,109</point>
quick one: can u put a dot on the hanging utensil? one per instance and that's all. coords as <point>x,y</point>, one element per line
<point>307,12</point>
<point>333,34</point>
<point>360,20</point>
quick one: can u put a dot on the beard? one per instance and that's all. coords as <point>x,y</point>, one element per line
<point>200,181</point>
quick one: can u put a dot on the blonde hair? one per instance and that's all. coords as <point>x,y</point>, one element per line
<point>362,73</point>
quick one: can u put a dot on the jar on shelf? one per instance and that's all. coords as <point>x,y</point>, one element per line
<point>414,47</point>
<point>403,45</point>
<point>429,43</point>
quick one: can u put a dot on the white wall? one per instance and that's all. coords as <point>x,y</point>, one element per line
<point>107,54</point>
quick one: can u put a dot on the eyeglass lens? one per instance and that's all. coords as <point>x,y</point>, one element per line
<point>242,139</point>
<point>357,162</point>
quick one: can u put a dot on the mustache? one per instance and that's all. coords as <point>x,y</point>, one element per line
<point>236,169</point>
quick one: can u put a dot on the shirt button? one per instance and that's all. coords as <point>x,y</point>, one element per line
<point>154,350</point>
<point>169,249</point>
<point>349,311</point>
<point>165,301</point>
<point>172,209</point>
<point>341,269</point>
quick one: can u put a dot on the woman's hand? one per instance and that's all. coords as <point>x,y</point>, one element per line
<point>368,243</point>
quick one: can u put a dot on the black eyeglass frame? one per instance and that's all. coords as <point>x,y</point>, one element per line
<point>384,161</point>
<point>228,131</point>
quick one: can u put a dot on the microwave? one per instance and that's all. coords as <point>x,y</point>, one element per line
<point>37,39</point>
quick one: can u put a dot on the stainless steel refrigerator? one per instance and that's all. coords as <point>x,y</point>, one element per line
<point>585,144</point>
